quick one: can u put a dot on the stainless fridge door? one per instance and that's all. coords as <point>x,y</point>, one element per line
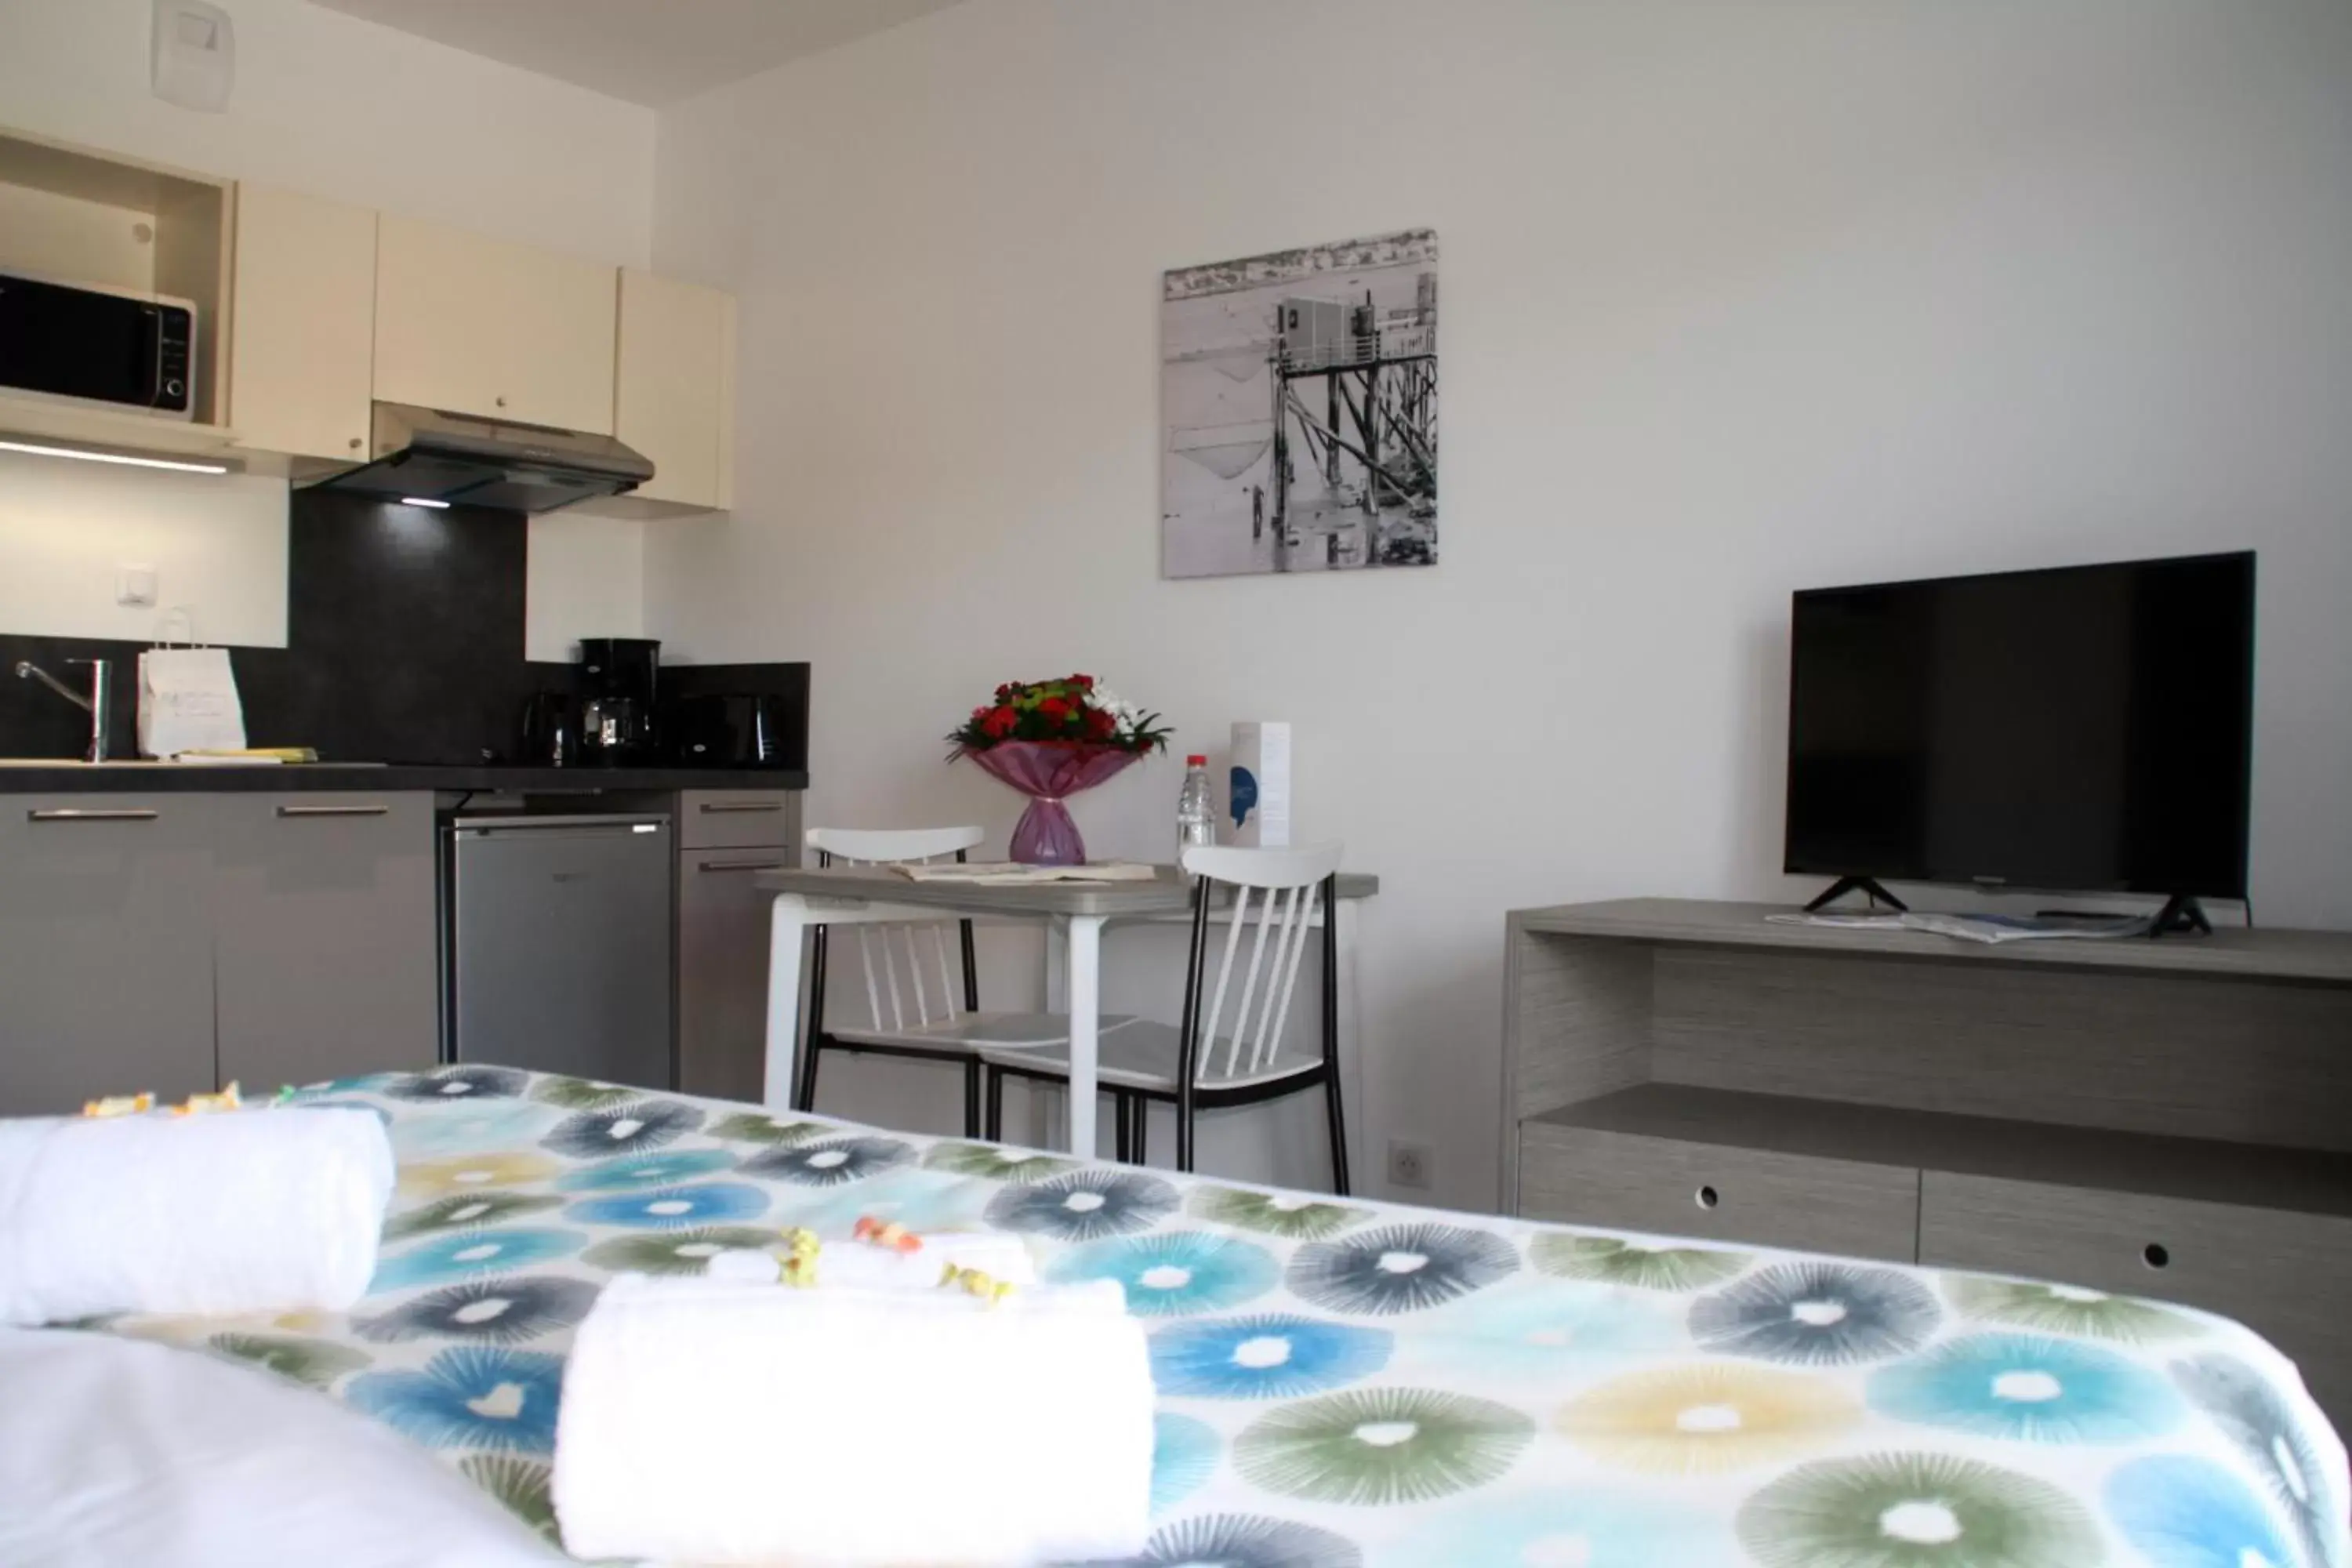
<point>560,945</point>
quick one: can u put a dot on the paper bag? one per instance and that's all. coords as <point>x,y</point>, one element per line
<point>188,702</point>
<point>1260,797</point>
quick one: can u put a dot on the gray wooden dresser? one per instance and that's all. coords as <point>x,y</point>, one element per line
<point>2169,1119</point>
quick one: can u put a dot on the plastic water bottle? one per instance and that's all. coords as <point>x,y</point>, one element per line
<point>1196,809</point>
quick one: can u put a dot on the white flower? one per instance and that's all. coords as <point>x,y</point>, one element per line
<point>1111,703</point>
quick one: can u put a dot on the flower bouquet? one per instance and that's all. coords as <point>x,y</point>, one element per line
<point>1050,739</point>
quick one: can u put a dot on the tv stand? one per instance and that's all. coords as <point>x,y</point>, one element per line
<point>2147,1118</point>
<point>1867,885</point>
<point>2180,912</point>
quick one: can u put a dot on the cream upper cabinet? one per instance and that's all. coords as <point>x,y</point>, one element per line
<point>675,398</point>
<point>302,324</point>
<point>488,327</point>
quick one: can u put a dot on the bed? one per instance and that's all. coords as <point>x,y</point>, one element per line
<point>1346,1383</point>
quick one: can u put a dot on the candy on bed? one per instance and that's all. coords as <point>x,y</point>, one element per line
<point>886,1233</point>
<point>976,1282</point>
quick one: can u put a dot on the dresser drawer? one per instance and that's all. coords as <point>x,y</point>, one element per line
<point>1625,1182</point>
<point>2287,1276</point>
<point>738,818</point>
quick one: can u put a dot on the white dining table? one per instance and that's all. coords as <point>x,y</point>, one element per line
<point>806,897</point>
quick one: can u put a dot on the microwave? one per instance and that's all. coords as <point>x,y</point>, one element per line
<point>108,346</point>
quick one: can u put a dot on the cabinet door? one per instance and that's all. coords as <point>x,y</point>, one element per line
<point>674,398</point>
<point>723,970</point>
<point>302,362</point>
<point>106,948</point>
<point>328,946</point>
<point>491,328</point>
<point>731,818</point>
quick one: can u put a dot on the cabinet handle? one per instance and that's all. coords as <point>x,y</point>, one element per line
<point>744,866</point>
<point>713,807</point>
<point>333,810</point>
<point>502,403</point>
<point>125,814</point>
<point>354,443</point>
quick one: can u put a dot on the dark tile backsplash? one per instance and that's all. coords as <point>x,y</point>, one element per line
<point>404,632</point>
<point>409,626</point>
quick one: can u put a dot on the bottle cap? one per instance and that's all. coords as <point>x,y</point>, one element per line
<point>1196,760</point>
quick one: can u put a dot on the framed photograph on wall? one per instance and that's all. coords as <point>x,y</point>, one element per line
<point>1298,406</point>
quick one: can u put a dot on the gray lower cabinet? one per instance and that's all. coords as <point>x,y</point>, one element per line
<point>722,935</point>
<point>2284,1274</point>
<point>106,948</point>
<point>1671,1187</point>
<point>325,950</point>
<point>738,818</point>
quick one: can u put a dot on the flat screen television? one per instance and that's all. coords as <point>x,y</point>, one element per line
<point>2088,728</point>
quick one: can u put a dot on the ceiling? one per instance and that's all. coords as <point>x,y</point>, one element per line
<point>655,52</point>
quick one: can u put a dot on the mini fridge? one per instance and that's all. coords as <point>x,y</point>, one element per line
<point>557,943</point>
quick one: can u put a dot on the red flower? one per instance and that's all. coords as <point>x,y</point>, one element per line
<point>1101,726</point>
<point>999,722</point>
<point>1054,709</point>
<point>1085,683</point>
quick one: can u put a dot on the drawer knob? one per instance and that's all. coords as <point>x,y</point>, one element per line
<point>2156,1255</point>
<point>1707,1197</point>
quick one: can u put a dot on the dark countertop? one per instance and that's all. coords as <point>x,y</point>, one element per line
<point>154,778</point>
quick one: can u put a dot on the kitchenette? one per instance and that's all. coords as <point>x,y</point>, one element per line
<point>417,841</point>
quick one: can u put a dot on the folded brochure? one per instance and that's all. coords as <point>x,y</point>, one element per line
<point>1012,873</point>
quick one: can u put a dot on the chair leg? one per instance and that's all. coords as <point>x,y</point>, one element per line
<point>1338,1134</point>
<point>971,1097</point>
<point>994,1129</point>
<point>1184,1134</point>
<point>1143,1120</point>
<point>804,1097</point>
<point>1121,1112</point>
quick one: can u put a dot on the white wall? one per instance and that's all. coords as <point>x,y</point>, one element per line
<point>587,580</point>
<point>1738,299</point>
<point>218,545</point>
<point>327,103</point>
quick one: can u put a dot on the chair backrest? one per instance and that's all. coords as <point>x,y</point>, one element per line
<point>909,981</point>
<point>1289,887</point>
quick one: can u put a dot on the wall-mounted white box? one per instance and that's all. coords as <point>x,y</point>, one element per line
<point>1258,801</point>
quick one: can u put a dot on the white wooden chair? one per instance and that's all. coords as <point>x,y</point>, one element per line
<point>918,1003</point>
<point>1277,896</point>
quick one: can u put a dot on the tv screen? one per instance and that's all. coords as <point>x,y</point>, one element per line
<point>2088,728</point>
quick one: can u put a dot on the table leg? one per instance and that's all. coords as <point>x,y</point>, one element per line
<point>1057,964</point>
<point>1086,1018</point>
<point>1351,1038</point>
<point>787,924</point>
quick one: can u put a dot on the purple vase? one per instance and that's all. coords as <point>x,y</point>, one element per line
<point>1049,772</point>
<point>1046,836</point>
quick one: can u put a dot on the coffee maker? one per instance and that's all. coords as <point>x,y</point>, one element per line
<point>618,682</point>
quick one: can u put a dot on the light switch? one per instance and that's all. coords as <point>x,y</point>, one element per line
<point>192,54</point>
<point>134,586</point>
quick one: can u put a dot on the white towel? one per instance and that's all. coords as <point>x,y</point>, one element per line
<point>247,1211</point>
<point>865,1266</point>
<point>710,1422</point>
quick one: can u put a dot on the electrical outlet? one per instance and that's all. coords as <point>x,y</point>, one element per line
<point>1409,1163</point>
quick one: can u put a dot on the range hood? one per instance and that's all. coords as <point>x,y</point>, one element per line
<point>458,459</point>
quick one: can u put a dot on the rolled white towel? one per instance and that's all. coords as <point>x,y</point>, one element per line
<point>248,1211</point>
<point>712,1421</point>
<point>861,1265</point>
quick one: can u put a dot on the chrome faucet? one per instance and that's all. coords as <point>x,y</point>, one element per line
<point>96,701</point>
